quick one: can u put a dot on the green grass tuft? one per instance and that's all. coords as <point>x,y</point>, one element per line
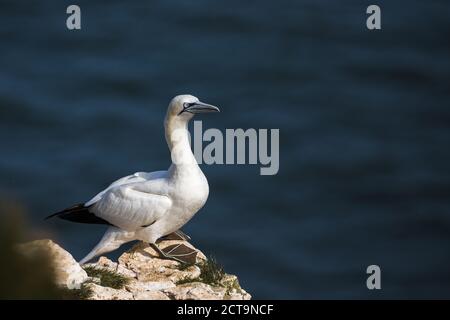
<point>76,294</point>
<point>187,280</point>
<point>184,266</point>
<point>211,272</point>
<point>107,277</point>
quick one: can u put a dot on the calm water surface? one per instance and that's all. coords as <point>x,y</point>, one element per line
<point>364,125</point>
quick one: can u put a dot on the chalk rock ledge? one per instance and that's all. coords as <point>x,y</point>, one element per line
<point>68,273</point>
<point>140,274</point>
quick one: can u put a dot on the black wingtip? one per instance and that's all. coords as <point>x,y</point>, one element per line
<point>76,207</point>
<point>50,216</point>
<point>78,213</point>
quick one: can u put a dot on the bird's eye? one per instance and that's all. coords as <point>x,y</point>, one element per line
<point>186,105</point>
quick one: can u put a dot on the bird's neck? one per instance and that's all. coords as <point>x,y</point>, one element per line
<point>177,136</point>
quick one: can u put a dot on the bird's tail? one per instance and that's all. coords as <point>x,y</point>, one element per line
<point>78,213</point>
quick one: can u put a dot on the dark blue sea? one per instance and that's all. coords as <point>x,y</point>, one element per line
<point>364,119</point>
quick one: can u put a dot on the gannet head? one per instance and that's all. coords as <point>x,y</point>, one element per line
<point>185,106</point>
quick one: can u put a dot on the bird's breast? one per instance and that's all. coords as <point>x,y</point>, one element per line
<point>190,191</point>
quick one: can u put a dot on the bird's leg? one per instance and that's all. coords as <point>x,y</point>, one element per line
<point>165,255</point>
<point>182,235</point>
<point>177,235</point>
<point>111,240</point>
<point>171,254</point>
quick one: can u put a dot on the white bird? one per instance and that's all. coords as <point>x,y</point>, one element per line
<point>149,205</point>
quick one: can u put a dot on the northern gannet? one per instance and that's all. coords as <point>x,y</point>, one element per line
<point>149,205</point>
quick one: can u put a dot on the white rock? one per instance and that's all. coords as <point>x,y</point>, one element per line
<point>150,295</point>
<point>106,293</point>
<point>196,291</point>
<point>145,262</point>
<point>105,263</point>
<point>68,272</point>
<point>135,286</point>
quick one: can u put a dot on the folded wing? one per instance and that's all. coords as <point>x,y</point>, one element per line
<point>133,178</point>
<point>132,205</point>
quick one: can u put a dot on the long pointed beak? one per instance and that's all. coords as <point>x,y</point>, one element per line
<point>200,107</point>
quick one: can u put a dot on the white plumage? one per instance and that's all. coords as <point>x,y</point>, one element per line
<point>147,206</point>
